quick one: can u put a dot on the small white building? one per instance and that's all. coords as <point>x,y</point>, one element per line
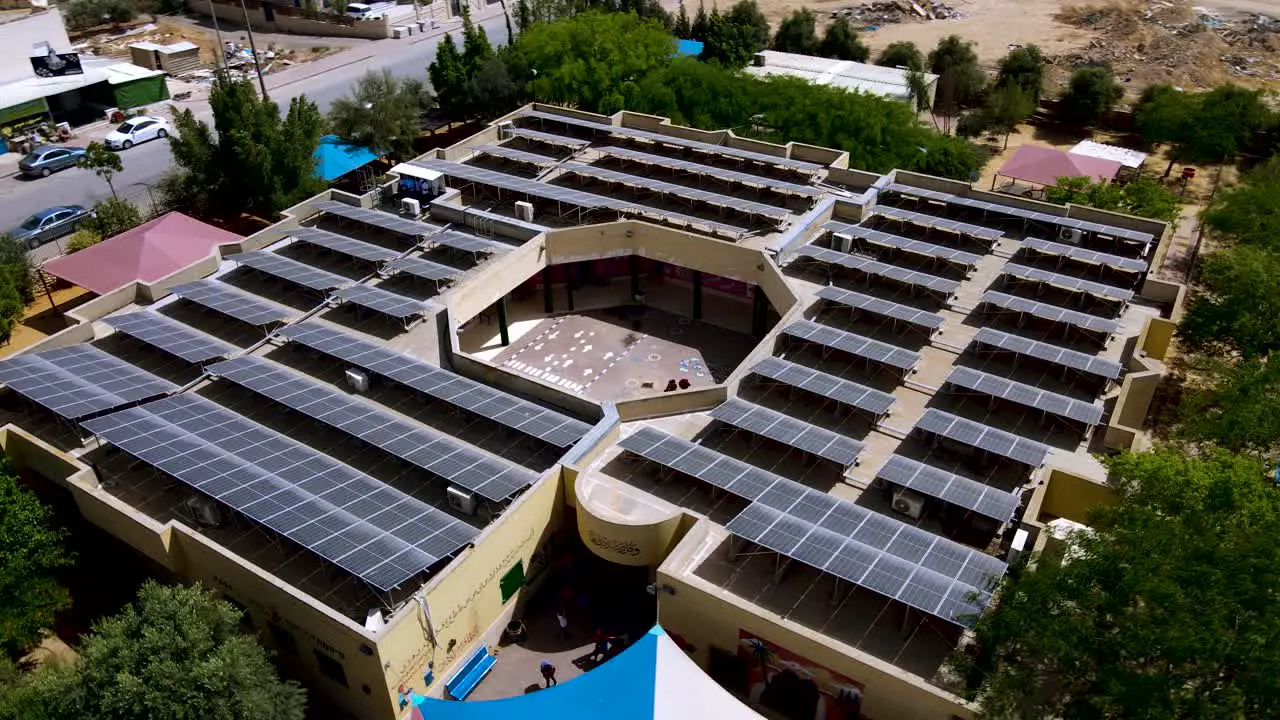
<point>883,81</point>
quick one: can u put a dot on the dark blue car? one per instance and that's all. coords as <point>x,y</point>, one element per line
<point>50,224</point>
<point>49,159</point>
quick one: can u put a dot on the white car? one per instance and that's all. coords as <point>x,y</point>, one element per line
<point>137,130</point>
<point>359,11</point>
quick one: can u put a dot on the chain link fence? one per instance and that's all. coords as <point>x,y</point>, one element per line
<point>146,199</point>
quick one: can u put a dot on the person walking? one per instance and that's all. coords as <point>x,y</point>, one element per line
<point>563,621</point>
<point>548,673</point>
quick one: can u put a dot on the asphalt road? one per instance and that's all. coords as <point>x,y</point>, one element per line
<point>322,81</point>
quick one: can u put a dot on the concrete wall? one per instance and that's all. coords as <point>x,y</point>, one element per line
<point>375,29</point>
<point>1156,338</point>
<point>1068,496</point>
<point>19,35</point>
<point>678,402</point>
<point>607,528</point>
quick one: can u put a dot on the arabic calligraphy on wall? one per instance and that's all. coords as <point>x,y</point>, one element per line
<point>621,547</point>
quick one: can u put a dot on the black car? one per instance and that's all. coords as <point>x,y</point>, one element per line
<point>48,159</point>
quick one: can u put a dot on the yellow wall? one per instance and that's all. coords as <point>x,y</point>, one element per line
<point>1070,496</point>
<point>625,543</point>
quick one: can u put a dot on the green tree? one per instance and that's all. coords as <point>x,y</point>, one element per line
<point>1249,213</point>
<point>683,29</point>
<point>1237,306</point>
<point>112,217</point>
<point>701,25</point>
<point>104,163</point>
<point>1224,122</point>
<point>476,49</point>
<point>81,239</point>
<point>746,14</point>
<point>449,77</point>
<point>14,255</point>
<point>1232,404</point>
<point>34,552</point>
<point>1144,197</point>
<point>903,54</point>
<point>524,16</point>
<point>1161,118</point>
<point>1007,106</point>
<point>1023,68</point>
<point>1090,95</point>
<point>493,88</point>
<point>798,33</point>
<point>955,63</point>
<point>842,43</point>
<point>83,14</point>
<point>381,112</point>
<point>1165,609</point>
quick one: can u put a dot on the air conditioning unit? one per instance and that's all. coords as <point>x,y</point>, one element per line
<point>506,130</point>
<point>1070,235</point>
<point>204,510</point>
<point>524,211</point>
<point>908,503</point>
<point>1017,547</point>
<point>410,207</point>
<point>358,380</point>
<point>464,501</point>
<point>373,621</point>
<point>846,243</point>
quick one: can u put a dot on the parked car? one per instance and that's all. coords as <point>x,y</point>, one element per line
<point>359,11</point>
<point>137,130</point>
<point>49,159</point>
<point>50,224</point>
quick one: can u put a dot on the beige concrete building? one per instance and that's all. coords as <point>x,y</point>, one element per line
<point>825,408</point>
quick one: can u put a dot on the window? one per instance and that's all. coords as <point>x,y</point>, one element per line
<point>512,581</point>
<point>56,154</point>
<point>331,668</point>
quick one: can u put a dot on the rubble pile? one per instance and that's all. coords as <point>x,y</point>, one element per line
<point>887,12</point>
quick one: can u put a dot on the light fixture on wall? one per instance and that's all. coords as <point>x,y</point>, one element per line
<point>655,588</point>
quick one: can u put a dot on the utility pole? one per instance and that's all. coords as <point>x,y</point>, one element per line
<point>254,49</point>
<point>222,48</point>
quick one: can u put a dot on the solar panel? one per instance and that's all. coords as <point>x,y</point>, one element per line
<point>729,474</point>
<point>343,244</point>
<point>1027,395</point>
<point>707,170</point>
<point>1050,312</point>
<point>984,437</point>
<point>884,239</point>
<point>521,156</point>
<point>878,306</point>
<point>873,551</point>
<point>547,138</point>
<point>532,419</point>
<point>1074,252</point>
<point>376,218</point>
<point>824,384</point>
<point>788,430</point>
<point>649,184</point>
<point>875,267</point>
<point>1068,282</point>
<point>442,455</point>
<point>1090,364</point>
<point>170,335</point>
<point>465,242</point>
<point>233,302</point>
<point>425,269</point>
<point>999,505</point>
<point>933,221</point>
<point>853,344</point>
<point>383,301</point>
<point>291,270</point>
<point>79,380</point>
<point>677,142</point>
<point>366,527</point>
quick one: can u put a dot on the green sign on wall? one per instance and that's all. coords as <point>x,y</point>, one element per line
<point>23,110</point>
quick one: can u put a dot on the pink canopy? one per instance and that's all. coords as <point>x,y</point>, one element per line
<point>144,254</point>
<point>1044,165</point>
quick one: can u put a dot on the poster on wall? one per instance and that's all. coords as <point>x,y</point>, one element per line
<point>55,64</point>
<point>796,687</point>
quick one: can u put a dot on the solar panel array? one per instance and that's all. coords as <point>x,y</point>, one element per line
<point>291,270</point>
<point>366,527</point>
<point>884,239</point>
<point>233,302</point>
<point>1084,255</point>
<point>880,307</point>
<point>1027,395</point>
<point>824,384</point>
<point>853,344</point>
<point>465,242</point>
<point>425,269</point>
<point>376,218</point>
<point>547,138</point>
<point>933,221</point>
<point>343,244</point>
<point>1083,362</point>
<point>507,153</point>
<point>170,336</point>
<point>1068,282</point>
<point>1020,213</point>
<point>681,191</point>
<point>712,467</point>
<point>715,172</point>
<point>981,498</point>
<point>875,267</point>
<point>79,380</point>
<point>677,142</point>
<point>532,419</point>
<point>984,437</point>
<point>1050,312</point>
<point>442,455</point>
<point>788,430</point>
<point>383,301</point>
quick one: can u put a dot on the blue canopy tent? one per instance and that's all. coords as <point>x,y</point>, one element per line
<point>688,48</point>
<point>651,679</point>
<point>335,158</point>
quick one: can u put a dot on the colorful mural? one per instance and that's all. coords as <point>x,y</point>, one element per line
<point>796,687</point>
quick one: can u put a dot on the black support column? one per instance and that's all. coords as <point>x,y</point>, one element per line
<point>503,331</point>
<point>759,308</point>
<point>697,294</point>
<point>548,301</point>
<point>635,275</point>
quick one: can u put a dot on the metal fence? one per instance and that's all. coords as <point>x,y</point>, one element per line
<point>148,201</point>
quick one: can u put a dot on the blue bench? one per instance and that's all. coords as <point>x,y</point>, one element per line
<point>470,674</point>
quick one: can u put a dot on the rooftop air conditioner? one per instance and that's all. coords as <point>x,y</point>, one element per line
<point>908,503</point>
<point>410,207</point>
<point>461,500</point>
<point>506,130</point>
<point>358,380</point>
<point>524,211</point>
<point>204,510</point>
<point>1070,235</point>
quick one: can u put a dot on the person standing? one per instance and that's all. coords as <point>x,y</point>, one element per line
<point>601,649</point>
<point>548,673</point>
<point>563,621</point>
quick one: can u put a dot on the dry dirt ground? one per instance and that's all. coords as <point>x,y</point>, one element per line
<point>41,320</point>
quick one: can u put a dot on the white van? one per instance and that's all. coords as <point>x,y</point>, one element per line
<point>359,11</point>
